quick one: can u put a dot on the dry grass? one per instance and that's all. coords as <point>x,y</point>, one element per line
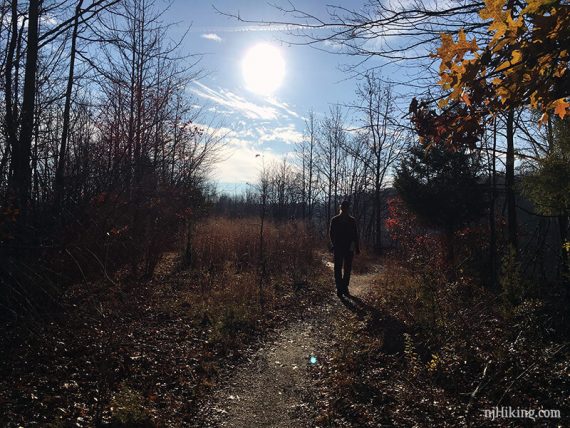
<point>221,244</point>
<point>154,350</point>
<point>234,286</point>
<point>459,351</point>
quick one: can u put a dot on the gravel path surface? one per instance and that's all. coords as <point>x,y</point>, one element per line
<point>274,388</point>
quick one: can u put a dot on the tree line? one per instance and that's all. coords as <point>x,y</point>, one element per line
<point>491,103</point>
<point>103,157</point>
<point>102,153</point>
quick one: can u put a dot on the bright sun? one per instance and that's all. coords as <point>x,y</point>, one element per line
<point>263,69</point>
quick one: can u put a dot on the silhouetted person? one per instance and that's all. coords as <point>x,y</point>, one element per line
<point>344,238</point>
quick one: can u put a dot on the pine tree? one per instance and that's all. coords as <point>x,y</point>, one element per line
<point>443,187</point>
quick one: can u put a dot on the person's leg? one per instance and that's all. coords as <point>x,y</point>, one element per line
<point>338,260</point>
<point>347,270</point>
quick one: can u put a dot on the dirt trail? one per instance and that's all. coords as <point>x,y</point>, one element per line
<point>275,388</point>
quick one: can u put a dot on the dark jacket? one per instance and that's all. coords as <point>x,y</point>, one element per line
<point>343,232</point>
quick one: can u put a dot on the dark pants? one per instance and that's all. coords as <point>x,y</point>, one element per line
<point>342,259</point>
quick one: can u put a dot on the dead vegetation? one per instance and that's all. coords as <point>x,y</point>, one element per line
<point>146,353</point>
<point>439,354</point>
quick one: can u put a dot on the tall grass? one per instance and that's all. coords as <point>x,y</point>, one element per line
<point>234,244</point>
<point>228,269</point>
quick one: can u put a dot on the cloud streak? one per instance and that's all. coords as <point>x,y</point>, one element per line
<point>212,36</point>
<point>240,164</point>
<point>272,109</point>
<point>258,125</point>
<point>286,134</point>
<point>265,27</point>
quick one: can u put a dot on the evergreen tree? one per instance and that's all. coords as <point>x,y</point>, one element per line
<point>548,186</point>
<point>443,187</point>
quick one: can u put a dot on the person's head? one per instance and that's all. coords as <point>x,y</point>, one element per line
<point>345,207</point>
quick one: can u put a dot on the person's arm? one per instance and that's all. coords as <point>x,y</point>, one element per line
<point>332,232</point>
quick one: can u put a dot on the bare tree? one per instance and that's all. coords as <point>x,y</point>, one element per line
<point>60,169</point>
<point>377,109</point>
<point>332,138</point>
<point>395,32</point>
<point>306,151</point>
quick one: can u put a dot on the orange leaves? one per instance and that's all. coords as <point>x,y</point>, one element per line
<point>499,28</point>
<point>533,6</point>
<point>454,66</point>
<point>493,10</point>
<point>561,107</point>
<point>454,52</point>
<point>502,21</point>
<point>445,51</point>
<point>524,63</point>
<point>457,126</point>
<point>514,60</point>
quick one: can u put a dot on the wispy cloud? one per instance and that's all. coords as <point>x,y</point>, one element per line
<point>283,106</point>
<point>212,36</point>
<point>240,164</point>
<point>252,125</point>
<point>235,102</point>
<point>286,134</point>
<point>265,27</point>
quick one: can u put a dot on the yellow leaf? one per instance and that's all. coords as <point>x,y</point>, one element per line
<point>446,51</point>
<point>456,93</point>
<point>560,71</point>
<point>461,39</point>
<point>514,24</point>
<point>534,99</point>
<point>504,65</point>
<point>500,45</point>
<point>493,9</point>
<point>503,94</point>
<point>499,28</point>
<point>527,78</point>
<point>534,5</point>
<point>516,57</point>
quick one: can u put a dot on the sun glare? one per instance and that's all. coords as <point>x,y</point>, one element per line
<point>263,69</point>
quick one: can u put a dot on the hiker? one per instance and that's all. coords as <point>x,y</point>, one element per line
<point>344,239</point>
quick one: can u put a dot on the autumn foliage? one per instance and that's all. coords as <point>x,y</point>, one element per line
<point>523,62</point>
<point>420,248</point>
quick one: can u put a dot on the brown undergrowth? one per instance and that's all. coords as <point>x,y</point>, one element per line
<point>145,354</point>
<point>438,354</point>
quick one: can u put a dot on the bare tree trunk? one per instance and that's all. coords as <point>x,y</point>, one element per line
<point>311,164</point>
<point>563,228</point>
<point>10,122</point>
<point>510,183</point>
<point>59,173</point>
<point>377,210</point>
<point>21,169</point>
<point>492,215</point>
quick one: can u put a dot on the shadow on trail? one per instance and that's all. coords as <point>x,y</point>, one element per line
<point>378,324</point>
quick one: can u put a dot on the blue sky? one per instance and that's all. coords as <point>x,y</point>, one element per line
<point>254,123</point>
